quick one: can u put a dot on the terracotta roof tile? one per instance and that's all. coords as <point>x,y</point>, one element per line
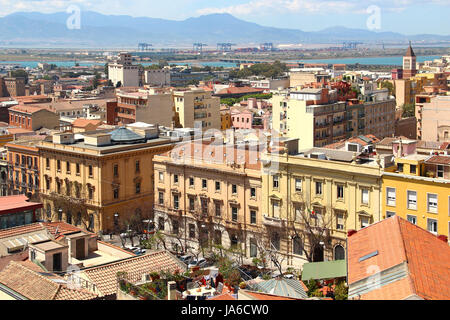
<point>439,160</point>
<point>105,277</point>
<point>399,241</point>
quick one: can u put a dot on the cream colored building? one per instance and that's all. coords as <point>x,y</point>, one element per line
<point>124,71</point>
<point>204,192</point>
<point>328,184</point>
<point>197,105</point>
<point>102,180</point>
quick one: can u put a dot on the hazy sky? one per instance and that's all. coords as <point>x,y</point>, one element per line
<point>405,16</point>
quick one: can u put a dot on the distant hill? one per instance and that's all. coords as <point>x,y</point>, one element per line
<point>120,30</point>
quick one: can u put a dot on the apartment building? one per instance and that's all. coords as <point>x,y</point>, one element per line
<point>14,87</point>
<point>206,193</point>
<point>102,179</point>
<point>158,77</point>
<point>314,116</point>
<point>151,105</point>
<point>332,190</point>
<point>123,72</point>
<point>197,106</point>
<point>433,117</point>
<point>33,117</point>
<point>23,168</point>
<point>225,118</point>
<point>301,77</point>
<point>417,188</point>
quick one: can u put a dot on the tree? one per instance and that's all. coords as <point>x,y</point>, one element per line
<point>341,291</point>
<point>408,110</point>
<point>388,85</point>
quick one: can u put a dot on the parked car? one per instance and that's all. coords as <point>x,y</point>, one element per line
<point>186,258</point>
<point>198,263</point>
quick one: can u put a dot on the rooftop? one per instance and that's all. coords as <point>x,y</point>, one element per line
<point>17,203</point>
<point>324,270</point>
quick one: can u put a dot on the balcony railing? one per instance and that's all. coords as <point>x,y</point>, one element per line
<point>273,222</point>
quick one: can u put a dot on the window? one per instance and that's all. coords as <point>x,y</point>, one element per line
<point>69,217</point>
<point>217,185</point>
<point>389,214</point>
<point>400,167</point>
<point>176,201</point>
<point>432,225</point>
<point>253,192</point>
<point>275,241</point>
<point>412,169</point>
<point>432,200</point>
<point>276,209</point>
<point>275,182</point>
<point>68,167</point>
<point>175,179</point>
<point>233,189</point>
<point>297,245</point>
<point>161,176</point>
<point>204,183</point>
<point>175,227</point>
<point>253,248</point>
<point>365,196</point>
<point>91,171</point>
<point>339,221</point>
<point>234,213</point>
<point>138,187</point>
<point>116,170</point>
<point>191,203</point>
<point>58,165</point>
<point>339,252</point>
<point>191,231</point>
<point>440,171</point>
<point>364,222</point>
<point>91,193</point>
<point>234,241</point>
<point>161,223</point>
<point>191,182</point>
<point>340,192</point>
<point>412,200</point>
<point>218,237</point>
<point>47,163</point>
<point>161,198</point>
<point>318,188</point>
<point>116,193</point>
<point>218,209</point>
<point>412,219</point>
<point>77,169</point>
<point>204,206</point>
<point>252,216</point>
<point>298,185</point>
<point>390,197</point>
<point>138,166</point>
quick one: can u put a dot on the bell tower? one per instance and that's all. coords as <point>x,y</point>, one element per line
<point>409,63</point>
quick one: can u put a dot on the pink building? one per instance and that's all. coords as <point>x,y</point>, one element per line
<point>241,118</point>
<point>434,119</point>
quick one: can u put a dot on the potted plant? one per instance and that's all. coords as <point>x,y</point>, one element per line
<point>154,276</point>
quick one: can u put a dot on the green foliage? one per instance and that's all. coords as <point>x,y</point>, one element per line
<point>341,291</point>
<point>268,70</point>
<point>317,293</point>
<point>312,287</point>
<point>388,85</point>
<point>232,101</point>
<point>408,110</point>
<point>19,74</point>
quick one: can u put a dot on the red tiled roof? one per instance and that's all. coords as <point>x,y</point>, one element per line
<point>399,241</point>
<point>225,296</point>
<point>238,90</point>
<point>266,296</point>
<point>17,203</point>
<point>105,277</point>
<point>25,279</point>
<point>62,228</point>
<point>28,109</point>
<point>439,160</point>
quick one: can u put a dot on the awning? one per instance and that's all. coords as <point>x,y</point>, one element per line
<point>324,270</point>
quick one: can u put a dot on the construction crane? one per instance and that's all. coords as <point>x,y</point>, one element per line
<point>350,44</point>
<point>198,47</point>
<point>268,46</point>
<point>144,47</point>
<point>225,46</point>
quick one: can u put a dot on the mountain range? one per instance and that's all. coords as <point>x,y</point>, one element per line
<point>39,29</point>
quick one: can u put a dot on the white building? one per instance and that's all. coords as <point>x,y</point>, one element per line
<point>123,71</point>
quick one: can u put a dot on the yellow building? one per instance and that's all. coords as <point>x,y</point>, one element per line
<point>325,188</point>
<point>101,181</point>
<point>197,105</point>
<point>205,193</point>
<point>417,188</point>
<point>225,119</point>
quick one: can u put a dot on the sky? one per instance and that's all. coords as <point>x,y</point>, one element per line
<point>404,16</point>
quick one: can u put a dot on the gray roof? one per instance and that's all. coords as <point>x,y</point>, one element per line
<point>124,135</point>
<point>283,287</point>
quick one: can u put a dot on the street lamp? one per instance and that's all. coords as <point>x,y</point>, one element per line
<point>60,214</point>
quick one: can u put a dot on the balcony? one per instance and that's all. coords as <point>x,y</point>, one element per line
<point>273,222</point>
<point>322,125</point>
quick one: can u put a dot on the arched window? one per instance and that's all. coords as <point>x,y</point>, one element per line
<point>297,245</point>
<point>339,252</point>
<point>275,241</point>
<point>234,240</point>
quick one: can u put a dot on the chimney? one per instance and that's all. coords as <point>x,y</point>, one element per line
<point>172,125</point>
<point>443,238</point>
<point>171,290</point>
<point>351,232</point>
<point>400,149</point>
